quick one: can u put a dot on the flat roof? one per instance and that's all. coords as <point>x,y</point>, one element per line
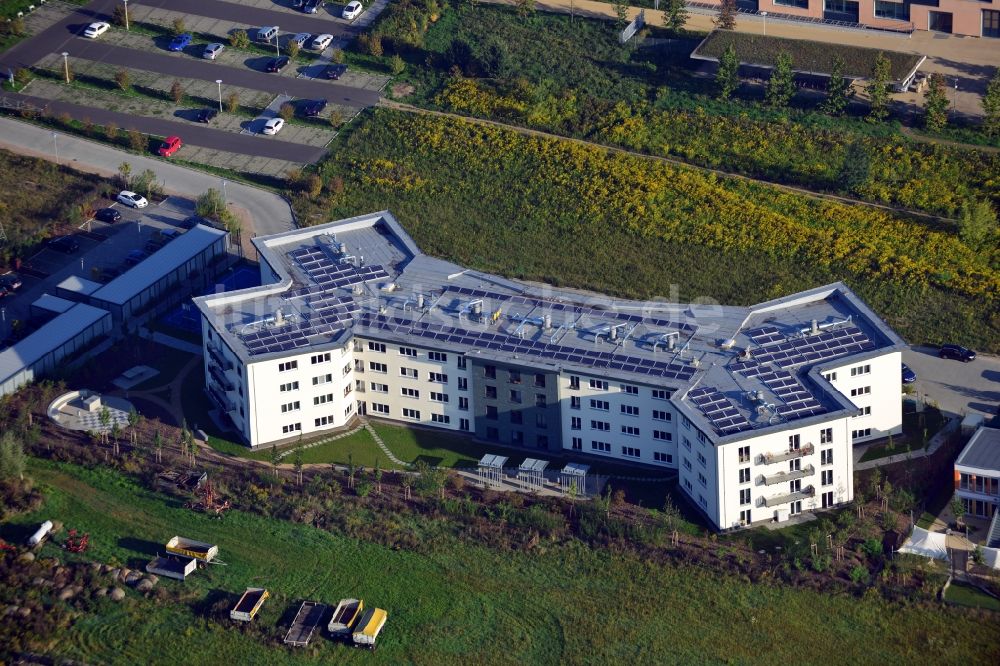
<point>982,451</point>
<point>731,369</point>
<point>52,303</point>
<point>52,335</point>
<point>79,285</point>
<point>148,272</point>
<point>533,465</point>
<point>491,460</point>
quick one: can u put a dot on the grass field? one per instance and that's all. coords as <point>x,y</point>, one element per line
<point>458,603</point>
<point>966,595</point>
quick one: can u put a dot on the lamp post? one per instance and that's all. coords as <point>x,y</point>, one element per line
<point>225,195</point>
<point>65,56</point>
<point>55,145</point>
<point>764,15</point>
<point>277,51</point>
<point>126,14</point>
<point>218,82</point>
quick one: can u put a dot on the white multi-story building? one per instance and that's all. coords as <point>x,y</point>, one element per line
<point>757,408</point>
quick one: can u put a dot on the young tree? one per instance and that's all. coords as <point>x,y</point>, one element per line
<point>621,13</point>
<point>239,39</point>
<point>675,16</point>
<point>125,176</point>
<point>178,26</point>
<point>726,20</point>
<point>133,422</point>
<point>12,457</point>
<point>351,469</point>
<point>232,102</point>
<point>158,445</point>
<point>138,141</point>
<point>118,15</point>
<point>176,91</point>
<point>123,78</point>
<point>298,464</point>
<point>378,476</point>
<point>781,85</point>
<point>525,8</point>
<point>837,90</point>
<point>935,104</point>
<point>958,508</point>
<point>878,90</point>
<point>292,49</point>
<point>991,106</point>
<point>275,459</point>
<point>287,111</point>
<point>977,224</point>
<point>727,78</point>
<point>396,65</point>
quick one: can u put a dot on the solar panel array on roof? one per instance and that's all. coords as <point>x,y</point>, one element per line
<point>719,410</point>
<point>765,334</point>
<point>814,348</point>
<point>798,401</point>
<point>332,319</point>
<point>507,300</point>
<point>328,274</point>
<point>510,344</point>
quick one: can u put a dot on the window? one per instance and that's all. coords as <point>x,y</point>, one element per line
<point>601,446</point>
<point>631,431</point>
<point>407,351</point>
<point>437,377</point>
<point>539,380</point>
<point>830,376</point>
<point>292,427</point>
<point>461,365</point>
<point>630,410</point>
<point>574,382</point>
<point>744,475</point>
<point>515,396</point>
<point>686,442</point>
<point>541,421</point>
<point>410,413</point>
<point>861,390</point>
<point>577,443</point>
<point>348,410</point>
<point>380,408</point>
<point>378,367</point>
<point>316,359</point>
<point>630,389</point>
<point>463,384</point>
<point>408,372</point>
<point>801,4</point>
<point>290,386</point>
<point>290,407</point>
<point>661,394</point>
<point>687,464</point>
<point>826,457</point>
<point>745,496</point>
<point>440,357</point>
<point>897,11</point>
<point>540,400</point>
<point>575,423</point>
<point>863,432</point>
<point>323,420</point>
<point>991,23</point>
<point>795,486</point>
<point>347,389</point>
<point>491,412</point>
<point>490,371</point>
<point>687,484</point>
<point>794,442</point>
<point>323,399</point>
<point>744,454</point>
<point>795,508</point>
<point>826,435</point>
<point>515,376</point>
<point>463,424</point>
<point>630,452</point>
<point>795,465</point>
<point>600,425</point>
<point>409,392</point>
<point>322,379</point>
<point>440,418</point>
<point>379,388</point>
<point>686,422</point>
<point>660,415</point>
<point>861,370</point>
<point>702,480</point>
<point>288,365</point>
<point>702,460</point>
<point>598,385</point>
<point>574,402</point>
<point>662,457</point>
<point>490,392</point>
<point>517,417</point>
<point>745,517</point>
<point>601,405</point>
<point>439,397</point>
<point>516,437</point>
<point>347,370</point>
<point>701,437</point>
<point>376,347</point>
<point>463,404</point>
<point>542,441</point>
<point>827,477</point>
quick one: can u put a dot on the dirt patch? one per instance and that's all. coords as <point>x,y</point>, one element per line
<point>401,90</point>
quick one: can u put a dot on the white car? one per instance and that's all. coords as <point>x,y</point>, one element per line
<point>322,41</point>
<point>132,199</point>
<point>95,30</point>
<point>212,51</point>
<point>300,39</point>
<point>273,126</point>
<point>352,10</point>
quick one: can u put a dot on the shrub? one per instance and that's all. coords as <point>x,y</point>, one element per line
<point>287,111</point>
<point>375,45</point>
<point>138,141</point>
<point>337,56</point>
<point>859,574</point>
<point>123,79</point>
<point>176,91</point>
<point>396,65</point>
<point>232,102</point>
<point>293,49</point>
<point>118,16</point>
<point>239,39</point>
<point>178,26</point>
<point>111,132</point>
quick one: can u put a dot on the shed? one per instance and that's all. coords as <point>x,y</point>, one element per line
<point>532,473</point>
<point>47,305</point>
<point>971,422</point>
<point>574,477</point>
<point>491,470</point>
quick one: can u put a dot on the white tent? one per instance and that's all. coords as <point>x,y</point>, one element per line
<point>991,556</point>
<point>928,544</point>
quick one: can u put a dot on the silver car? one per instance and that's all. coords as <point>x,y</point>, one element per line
<point>300,39</point>
<point>212,51</point>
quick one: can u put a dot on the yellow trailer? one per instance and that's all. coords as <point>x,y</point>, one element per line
<point>368,627</point>
<point>199,550</point>
<point>248,605</point>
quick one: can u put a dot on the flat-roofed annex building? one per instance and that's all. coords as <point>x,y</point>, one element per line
<point>756,407</point>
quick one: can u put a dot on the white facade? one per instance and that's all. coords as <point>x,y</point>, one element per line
<point>874,386</point>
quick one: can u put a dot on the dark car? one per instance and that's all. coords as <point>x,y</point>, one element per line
<point>957,352</point>
<point>180,42</point>
<point>335,71</point>
<point>135,256</point>
<point>312,6</point>
<point>908,375</point>
<point>64,244</point>
<point>313,109</point>
<point>10,281</point>
<point>109,215</point>
<point>277,64</point>
<point>193,221</point>
<point>206,115</point>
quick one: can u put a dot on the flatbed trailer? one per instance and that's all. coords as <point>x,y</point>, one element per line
<point>248,605</point>
<point>306,620</point>
<point>344,617</point>
<point>199,550</point>
<point>369,626</point>
<point>172,566</point>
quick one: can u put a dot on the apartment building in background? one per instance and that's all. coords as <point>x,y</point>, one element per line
<point>757,408</point>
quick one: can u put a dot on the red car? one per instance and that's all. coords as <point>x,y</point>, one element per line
<point>170,146</point>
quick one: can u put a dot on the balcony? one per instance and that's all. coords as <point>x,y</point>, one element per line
<point>771,479</point>
<point>225,404</point>
<point>805,493</point>
<point>220,378</point>
<point>216,355</point>
<point>790,454</point>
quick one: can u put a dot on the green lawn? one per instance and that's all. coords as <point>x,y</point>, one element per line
<point>883,450</point>
<point>967,595</point>
<point>358,448</point>
<point>458,603</point>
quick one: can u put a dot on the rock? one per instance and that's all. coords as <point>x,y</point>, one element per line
<point>105,568</point>
<point>132,577</point>
<point>27,557</point>
<point>101,592</point>
<point>38,581</point>
<point>153,578</point>
<point>24,611</point>
<point>117,594</point>
<point>114,573</point>
<point>145,585</point>
<point>95,566</point>
<point>66,593</point>
<point>10,610</point>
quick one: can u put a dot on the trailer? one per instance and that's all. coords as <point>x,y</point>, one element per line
<point>40,534</point>
<point>306,620</point>
<point>248,605</point>
<point>344,617</point>
<point>172,567</point>
<point>199,550</point>
<point>368,627</point>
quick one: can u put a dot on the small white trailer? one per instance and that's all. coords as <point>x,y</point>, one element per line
<point>40,534</point>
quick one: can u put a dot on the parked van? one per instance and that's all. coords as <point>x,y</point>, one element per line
<point>267,33</point>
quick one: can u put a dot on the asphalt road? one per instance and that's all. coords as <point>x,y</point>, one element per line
<point>268,212</point>
<point>288,21</point>
<point>956,387</point>
<point>190,133</point>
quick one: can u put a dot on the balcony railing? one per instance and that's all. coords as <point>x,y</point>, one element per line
<point>216,355</point>
<point>790,454</point>
<point>220,378</point>
<point>805,493</point>
<point>224,403</point>
<point>771,479</point>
